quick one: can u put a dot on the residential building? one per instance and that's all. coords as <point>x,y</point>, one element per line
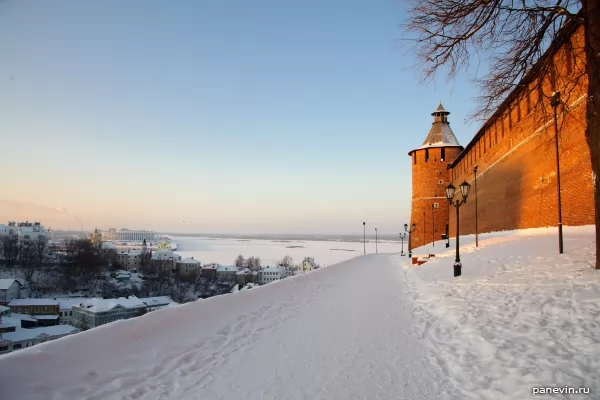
<point>9,289</point>
<point>164,257</point>
<point>308,264</point>
<point>188,266</point>
<point>18,338</point>
<point>270,274</point>
<point>226,273</point>
<point>210,271</point>
<point>96,312</point>
<point>44,311</point>
<point>245,276</point>
<point>65,311</point>
<point>129,259</point>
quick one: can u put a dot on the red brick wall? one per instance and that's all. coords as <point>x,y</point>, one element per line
<point>427,191</point>
<point>516,179</point>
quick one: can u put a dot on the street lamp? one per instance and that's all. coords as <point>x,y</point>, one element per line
<point>364,238</point>
<point>555,102</point>
<point>402,237</point>
<point>450,191</point>
<point>476,209</point>
<point>413,228</point>
<point>433,224</point>
<point>424,228</point>
<point>376,241</point>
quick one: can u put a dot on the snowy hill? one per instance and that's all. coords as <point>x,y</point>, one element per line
<point>369,328</point>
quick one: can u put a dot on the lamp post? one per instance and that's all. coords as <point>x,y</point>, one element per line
<point>433,224</point>
<point>376,241</point>
<point>555,102</point>
<point>364,238</point>
<point>413,228</point>
<point>450,191</point>
<point>402,237</point>
<point>476,209</point>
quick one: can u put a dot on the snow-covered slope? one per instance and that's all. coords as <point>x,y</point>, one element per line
<point>341,332</point>
<point>373,327</point>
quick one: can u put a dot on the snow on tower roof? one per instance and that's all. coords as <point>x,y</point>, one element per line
<point>440,109</point>
<point>440,134</point>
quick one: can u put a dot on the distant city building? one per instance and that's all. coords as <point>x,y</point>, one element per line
<point>188,266</point>
<point>96,237</point>
<point>125,235</point>
<point>226,273</point>
<point>164,257</point>
<point>25,230</point>
<point>129,259</point>
<point>270,274</point>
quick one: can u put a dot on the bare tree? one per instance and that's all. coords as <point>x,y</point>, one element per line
<point>516,38</point>
<point>287,263</point>
<point>31,259</point>
<point>253,263</point>
<point>239,261</point>
<point>9,249</point>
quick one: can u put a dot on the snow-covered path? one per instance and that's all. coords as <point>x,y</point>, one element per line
<point>342,332</point>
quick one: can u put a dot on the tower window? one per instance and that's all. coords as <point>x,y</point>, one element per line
<point>414,158</point>
<point>426,155</point>
<point>443,156</point>
<point>436,205</point>
<point>441,182</point>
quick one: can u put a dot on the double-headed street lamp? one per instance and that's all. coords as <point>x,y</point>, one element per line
<point>450,191</point>
<point>402,237</point>
<point>555,102</point>
<point>413,228</point>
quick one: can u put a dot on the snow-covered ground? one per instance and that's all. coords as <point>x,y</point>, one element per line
<point>225,250</point>
<point>520,316</point>
<point>372,327</point>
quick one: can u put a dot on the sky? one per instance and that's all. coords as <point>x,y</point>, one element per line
<point>233,116</point>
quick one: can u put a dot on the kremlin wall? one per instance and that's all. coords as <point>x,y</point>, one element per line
<point>514,152</point>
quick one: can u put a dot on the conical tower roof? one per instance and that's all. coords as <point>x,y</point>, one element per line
<point>440,134</point>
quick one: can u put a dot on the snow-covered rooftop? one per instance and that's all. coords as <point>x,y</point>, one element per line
<point>227,268</point>
<point>156,301</point>
<point>5,284</point>
<point>272,269</point>
<point>18,316</point>
<point>102,305</point>
<point>21,334</point>
<point>32,302</point>
<point>67,304</point>
<point>440,134</point>
<point>189,260</point>
<point>48,317</point>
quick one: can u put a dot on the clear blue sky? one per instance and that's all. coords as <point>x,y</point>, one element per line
<point>235,116</point>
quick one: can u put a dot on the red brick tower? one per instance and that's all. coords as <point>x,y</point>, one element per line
<point>430,176</point>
